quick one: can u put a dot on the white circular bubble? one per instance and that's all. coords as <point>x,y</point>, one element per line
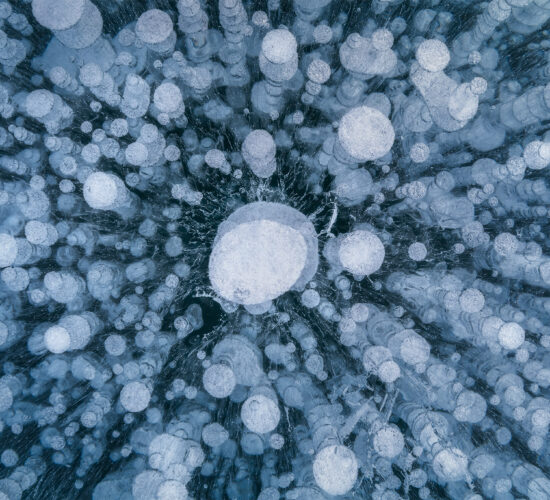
<point>478,85</point>
<point>514,396</point>
<point>219,380</point>
<point>149,133</point>
<point>419,152</point>
<point>215,158</point>
<point>516,165</point>
<point>433,55</point>
<point>511,335</point>
<point>416,190</point>
<point>257,261</point>
<point>414,349</point>
<point>310,298</point>
<point>471,300</point>
<point>53,281</point>
<point>57,339</point>
<point>58,14</point>
<point>91,74</point>
<point>135,396</point>
<point>388,441</point>
<point>258,150</point>
<point>388,372</point>
<point>91,153</point>
<point>39,103</point>
<point>335,469</point>
<point>318,71</point>
<point>361,252</point>
<point>505,244</point>
<point>100,191</point>
<point>260,414</point>
<point>9,458</point>
<point>168,98</point>
<point>115,345</point>
<point>417,251</point>
<point>322,33</point>
<point>365,134</point>
<point>276,441</point>
<point>279,46</point>
<point>136,153</point>
<point>36,232</point>
<point>154,26</point>
<point>172,153</point>
<point>119,127</point>
<point>359,312</point>
<point>536,155</point>
<point>470,407</point>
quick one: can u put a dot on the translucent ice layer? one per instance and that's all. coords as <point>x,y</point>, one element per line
<point>277,249</point>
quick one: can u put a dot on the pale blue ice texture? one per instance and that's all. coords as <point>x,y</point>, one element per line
<point>274,249</point>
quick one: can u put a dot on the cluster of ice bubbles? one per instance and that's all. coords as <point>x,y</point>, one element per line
<point>274,250</point>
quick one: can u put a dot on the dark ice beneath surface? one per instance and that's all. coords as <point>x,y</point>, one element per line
<point>276,249</point>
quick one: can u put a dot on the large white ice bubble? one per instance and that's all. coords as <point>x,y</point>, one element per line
<point>361,252</point>
<point>260,414</point>
<point>366,134</point>
<point>261,251</point>
<point>100,191</point>
<point>58,14</point>
<point>335,469</point>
